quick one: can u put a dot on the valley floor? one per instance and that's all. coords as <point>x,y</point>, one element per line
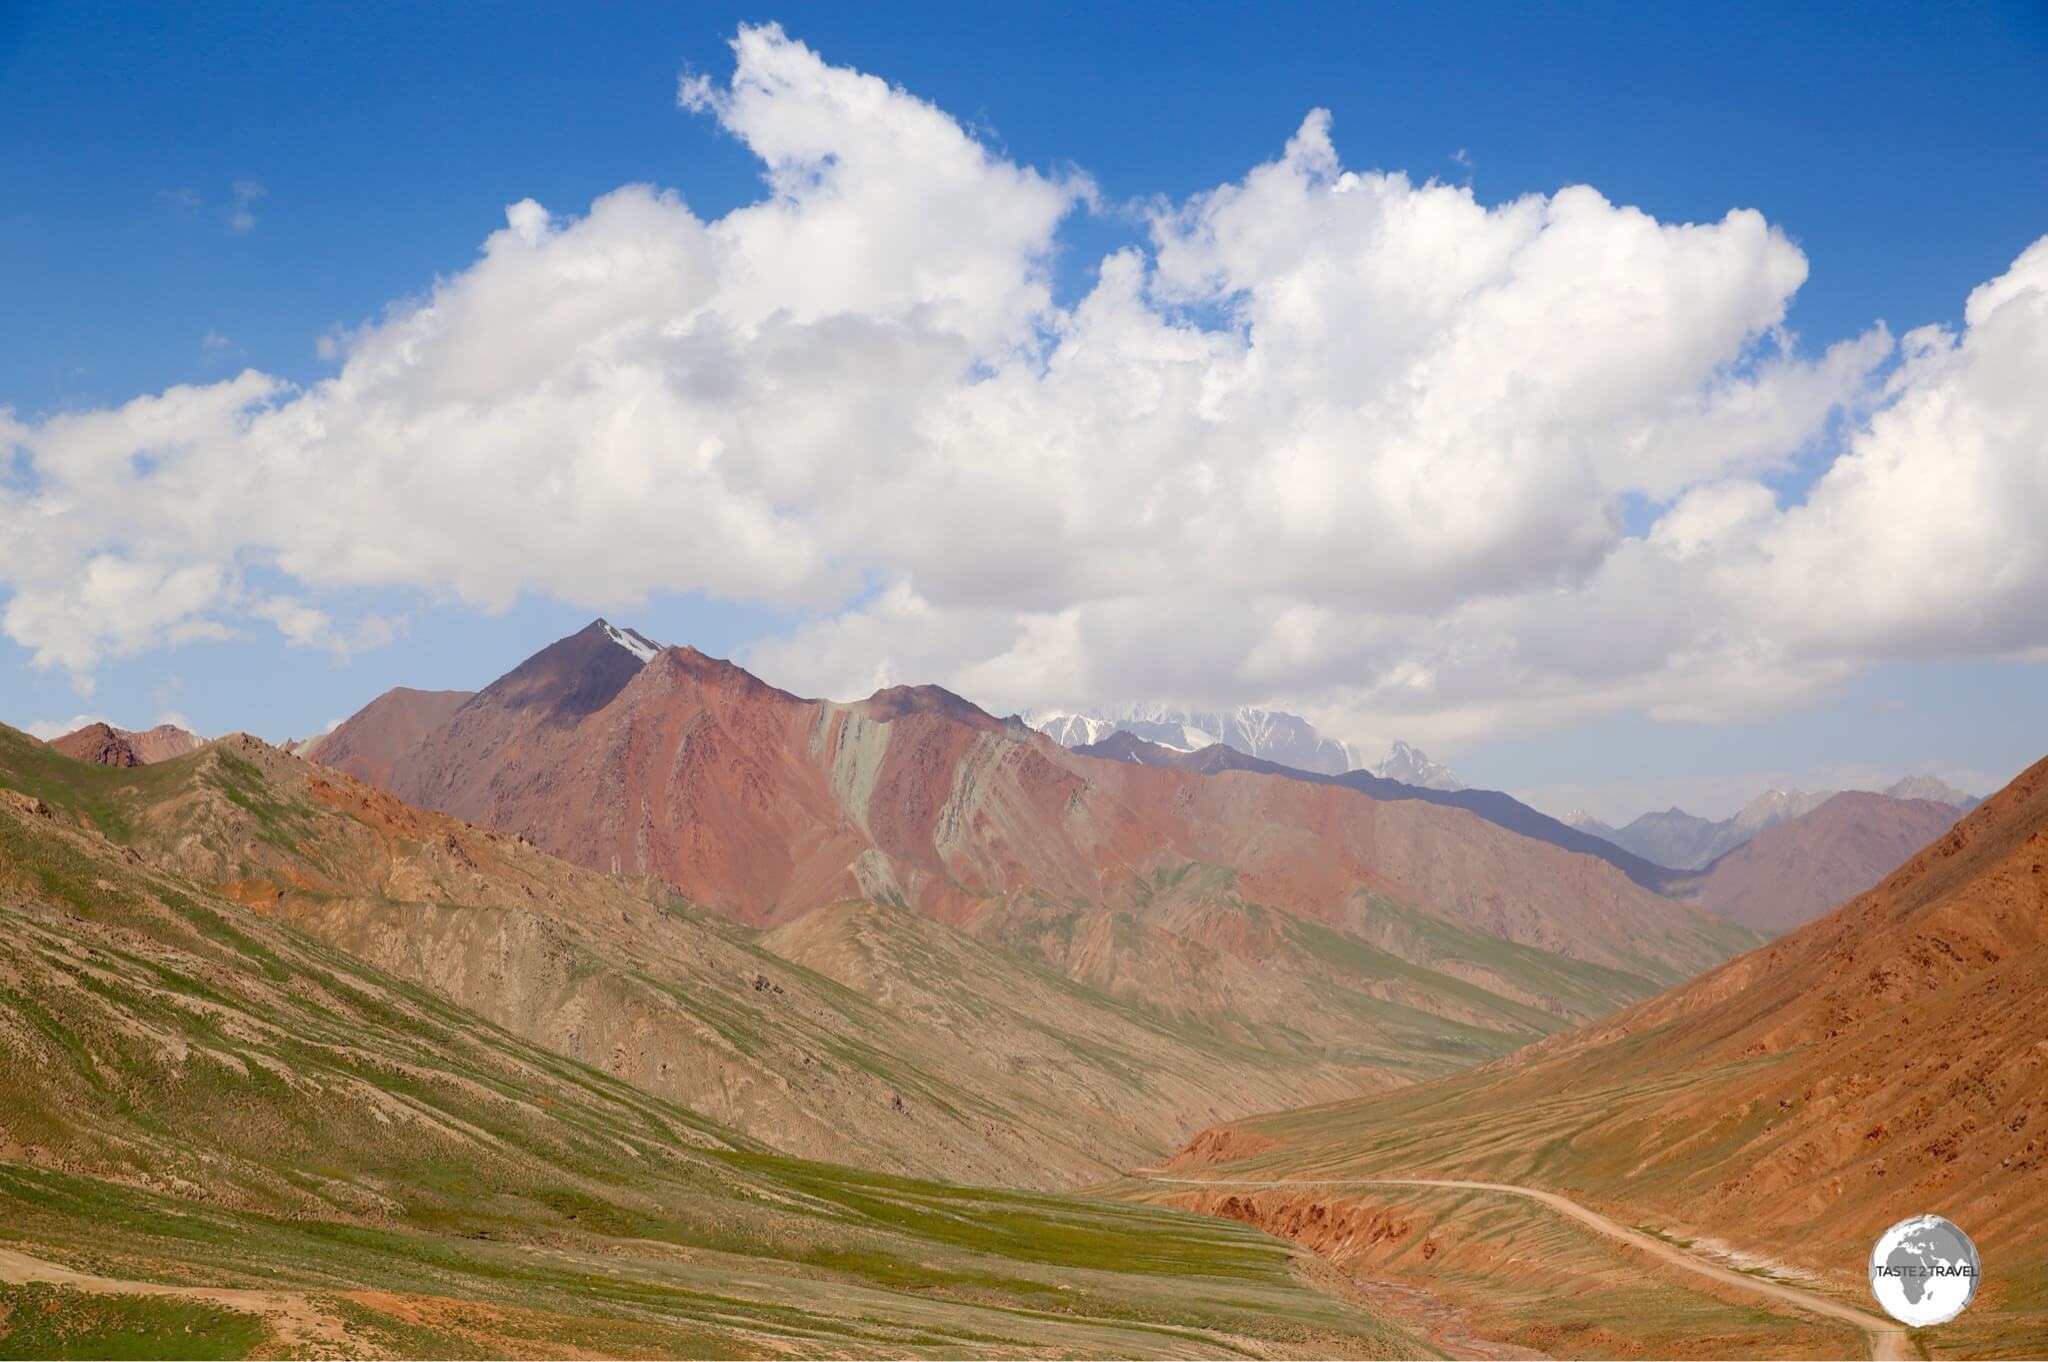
<point>96,1269</point>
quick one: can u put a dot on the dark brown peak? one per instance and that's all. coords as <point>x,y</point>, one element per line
<point>100,744</point>
<point>896,702</point>
<point>569,678</point>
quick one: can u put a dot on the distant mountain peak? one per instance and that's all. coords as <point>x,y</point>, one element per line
<point>1256,731</point>
<point>1932,788</point>
<point>1412,766</point>
<point>1584,821</point>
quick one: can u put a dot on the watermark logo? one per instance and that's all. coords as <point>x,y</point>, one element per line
<point>1924,1271</point>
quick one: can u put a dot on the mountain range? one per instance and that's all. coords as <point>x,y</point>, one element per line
<point>630,967</point>
<point>1686,842</point>
<point>293,1069</point>
<point>1361,938</point>
<point>1276,736</point>
<point>1496,807</point>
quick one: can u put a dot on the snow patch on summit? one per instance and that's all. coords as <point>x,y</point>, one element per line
<point>632,642</point>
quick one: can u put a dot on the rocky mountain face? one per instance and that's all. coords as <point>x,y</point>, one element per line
<point>1411,767</point>
<point>906,845</point>
<point>162,742</point>
<point>1257,732</point>
<point>1883,1059</point>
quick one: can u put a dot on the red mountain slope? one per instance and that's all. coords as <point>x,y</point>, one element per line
<point>765,806</point>
<point>371,742</point>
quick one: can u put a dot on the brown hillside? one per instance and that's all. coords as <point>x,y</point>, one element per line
<point>1888,1059</point>
<point>372,741</point>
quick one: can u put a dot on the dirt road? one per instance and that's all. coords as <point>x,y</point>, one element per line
<point>1887,1338</point>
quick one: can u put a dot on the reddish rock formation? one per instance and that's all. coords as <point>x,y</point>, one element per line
<point>99,744</point>
<point>163,742</point>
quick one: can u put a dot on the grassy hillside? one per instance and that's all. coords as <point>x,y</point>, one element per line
<point>220,1134</point>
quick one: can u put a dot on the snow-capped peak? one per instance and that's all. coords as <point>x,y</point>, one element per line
<point>1411,766</point>
<point>632,642</point>
<point>1252,729</point>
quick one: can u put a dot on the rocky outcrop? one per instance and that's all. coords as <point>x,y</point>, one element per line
<point>99,744</point>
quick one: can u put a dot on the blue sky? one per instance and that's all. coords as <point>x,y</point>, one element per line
<point>195,190</point>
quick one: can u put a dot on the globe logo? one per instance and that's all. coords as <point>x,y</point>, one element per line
<point>1923,1271</point>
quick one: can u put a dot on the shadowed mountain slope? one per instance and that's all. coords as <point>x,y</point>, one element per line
<point>1885,1060</point>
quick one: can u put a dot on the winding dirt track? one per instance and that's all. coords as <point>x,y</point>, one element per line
<point>1887,1339</point>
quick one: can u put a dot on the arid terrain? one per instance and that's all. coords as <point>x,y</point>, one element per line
<point>738,994</point>
<point>1782,1109</point>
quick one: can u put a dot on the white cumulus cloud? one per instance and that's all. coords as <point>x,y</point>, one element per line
<point>1338,439</point>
